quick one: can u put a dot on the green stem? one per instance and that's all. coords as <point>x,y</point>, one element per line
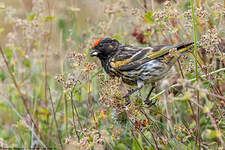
<point>196,72</point>
<point>195,39</point>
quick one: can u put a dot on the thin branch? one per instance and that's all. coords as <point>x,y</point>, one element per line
<point>212,120</point>
<point>156,144</point>
<point>181,71</point>
<point>74,107</point>
<point>54,116</point>
<point>90,104</point>
<point>73,118</point>
<point>143,135</point>
<point>77,114</point>
<point>145,6</point>
<point>24,99</point>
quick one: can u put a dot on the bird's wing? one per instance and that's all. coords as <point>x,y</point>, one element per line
<point>130,58</point>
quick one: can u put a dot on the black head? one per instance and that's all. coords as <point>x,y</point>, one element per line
<point>104,48</point>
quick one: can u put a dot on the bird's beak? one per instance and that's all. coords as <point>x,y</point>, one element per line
<point>93,53</point>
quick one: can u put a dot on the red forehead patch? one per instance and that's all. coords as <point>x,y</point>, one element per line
<point>97,42</point>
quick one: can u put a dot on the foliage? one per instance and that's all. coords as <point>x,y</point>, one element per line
<point>54,95</point>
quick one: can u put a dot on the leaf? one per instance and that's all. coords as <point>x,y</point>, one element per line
<point>121,146</point>
<point>12,69</point>
<point>148,17</point>
<point>213,134</point>
<point>1,30</point>
<point>31,17</point>
<point>27,63</point>
<point>208,107</point>
<point>21,52</point>
<point>117,37</point>
<point>2,75</point>
<point>135,145</point>
<point>9,54</point>
<point>48,18</point>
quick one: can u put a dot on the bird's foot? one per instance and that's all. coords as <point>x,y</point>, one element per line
<point>127,99</point>
<point>149,103</point>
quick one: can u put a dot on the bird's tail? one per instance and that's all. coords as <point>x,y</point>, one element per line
<point>177,51</point>
<point>183,48</point>
<point>189,47</point>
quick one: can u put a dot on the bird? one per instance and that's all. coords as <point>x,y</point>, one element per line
<point>138,65</point>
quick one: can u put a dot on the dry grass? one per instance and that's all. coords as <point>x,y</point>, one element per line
<point>54,95</point>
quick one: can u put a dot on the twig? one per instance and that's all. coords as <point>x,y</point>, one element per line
<point>74,125</point>
<point>212,120</point>
<point>77,114</point>
<point>24,99</point>
<point>66,112</point>
<point>147,107</point>
<point>169,125</point>
<point>142,135</point>
<point>90,101</point>
<point>74,107</point>
<point>156,144</point>
<point>181,71</point>
<point>54,116</point>
<point>145,6</point>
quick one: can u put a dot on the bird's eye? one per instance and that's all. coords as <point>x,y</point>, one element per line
<point>100,44</point>
<point>110,47</point>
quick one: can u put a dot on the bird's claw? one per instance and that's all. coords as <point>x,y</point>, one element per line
<point>127,99</point>
<point>125,96</point>
<point>149,103</point>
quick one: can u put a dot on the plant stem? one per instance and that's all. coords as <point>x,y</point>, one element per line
<point>54,117</point>
<point>136,140</point>
<point>196,72</point>
<point>21,95</point>
<point>90,101</point>
<point>209,114</point>
<point>175,85</point>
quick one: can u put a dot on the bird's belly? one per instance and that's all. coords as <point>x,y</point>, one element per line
<point>148,72</point>
<point>153,71</point>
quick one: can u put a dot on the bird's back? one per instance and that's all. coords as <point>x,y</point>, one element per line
<point>149,64</point>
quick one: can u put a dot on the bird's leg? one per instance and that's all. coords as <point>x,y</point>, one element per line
<point>140,85</point>
<point>131,92</point>
<point>127,100</point>
<point>147,101</point>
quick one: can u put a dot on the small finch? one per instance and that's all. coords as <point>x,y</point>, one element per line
<point>138,65</point>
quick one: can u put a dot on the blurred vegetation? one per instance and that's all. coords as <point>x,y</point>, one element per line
<point>54,95</point>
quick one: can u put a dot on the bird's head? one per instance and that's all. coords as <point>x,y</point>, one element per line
<point>104,48</point>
